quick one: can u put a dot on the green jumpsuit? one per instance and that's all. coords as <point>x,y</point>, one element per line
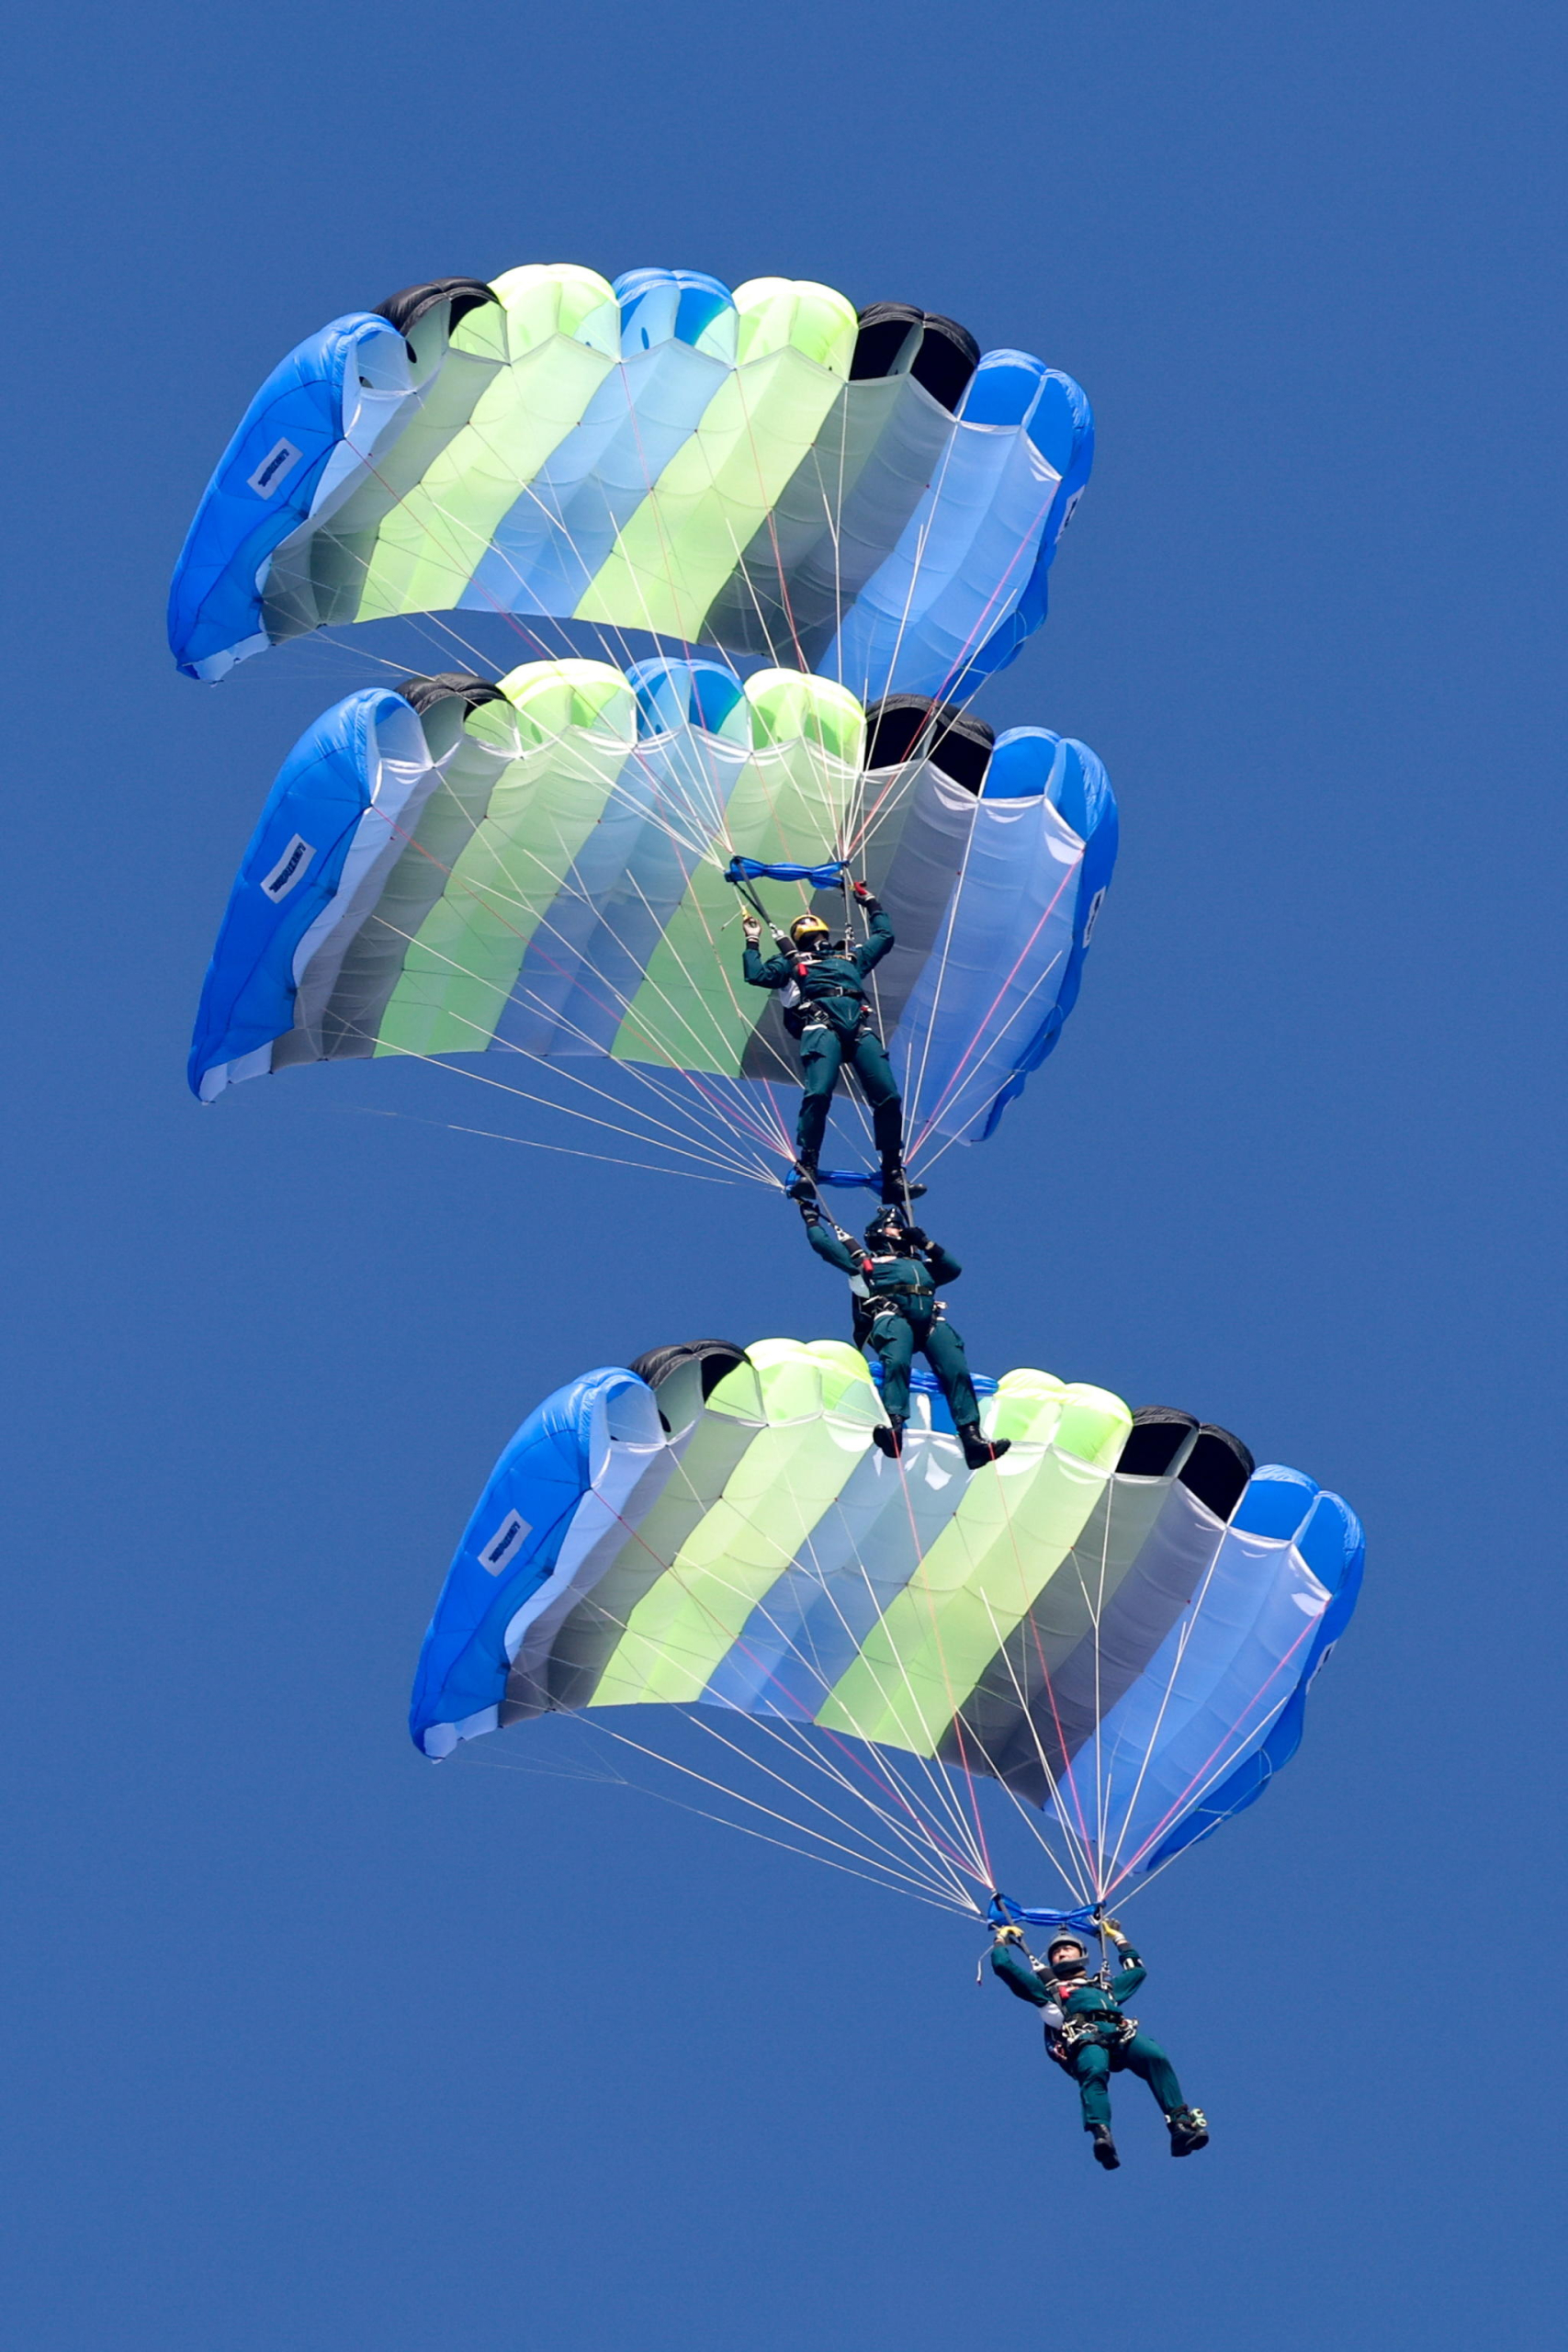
<point>900,1314</point>
<point>1092,2040</point>
<point>835,1030</point>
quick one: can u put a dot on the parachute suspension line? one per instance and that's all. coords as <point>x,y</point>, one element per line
<point>932,1836</point>
<point>1232,1753</point>
<point>924,1890</point>
<point>933,1767</point>
<point>1080,1879</point>
<point>671,1099</point>
<point>480,1077</point>
<point>1193,1613</point>
<point>812,1755</point>
<point>531,1142</point>
<point>952,1087</point>
<point>929,1856</point>
<point>1097,1613</point>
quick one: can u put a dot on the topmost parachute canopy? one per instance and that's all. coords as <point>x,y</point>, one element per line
<point>764,472</point>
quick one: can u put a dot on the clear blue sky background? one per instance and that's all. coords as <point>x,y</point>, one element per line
<point>310,2045</point>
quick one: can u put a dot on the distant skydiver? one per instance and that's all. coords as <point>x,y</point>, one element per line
<point>894,1281</point>
<point>1088,2036</point>
<point>825,1009</point>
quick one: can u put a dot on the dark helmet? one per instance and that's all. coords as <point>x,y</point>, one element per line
<point>889,1225</point>
<point>1075,1955</point>
<point>810,932</point>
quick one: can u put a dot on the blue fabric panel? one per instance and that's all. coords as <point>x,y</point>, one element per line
<point>322,792</point>
<point>246,512</point>
<point>804,1635</point>
<point>547,549</point>
<point>542,1477</point>
<point>1022,764</point>
<point>966,584</point>
<point>1333,1547</point>
<point>593,961</point>
<point>1081,790</point>
<point>1062,429</point>
<point>1276,1502</point>
<point>675,305</point>
<point>672,694</point>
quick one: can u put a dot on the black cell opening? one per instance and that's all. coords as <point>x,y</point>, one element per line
<point>406,308</point>
<point>906,726</point>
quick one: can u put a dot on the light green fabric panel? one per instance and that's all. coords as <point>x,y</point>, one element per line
<point>559,335</point>
<point>790,800</point>
<point>820,1413</point>
<point>1017,1524</point>
<point>795,345</point>
<point>572,725</point>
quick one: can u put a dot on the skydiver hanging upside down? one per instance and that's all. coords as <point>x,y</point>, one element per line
<point>828,1013</point>
<point>893,1279</point>
<point>1088,2035</point>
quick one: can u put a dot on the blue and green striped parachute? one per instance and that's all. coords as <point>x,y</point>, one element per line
<point>1118,1622</point>
<point>764,472</point>
<point>537,874</point>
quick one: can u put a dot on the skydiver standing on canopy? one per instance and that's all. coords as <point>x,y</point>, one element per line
<point>893,1279</point>
<point>828,1013</point>
<point>1088,2035</point>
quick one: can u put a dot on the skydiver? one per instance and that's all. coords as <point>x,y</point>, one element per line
<point>1088,2036</point>
<point>828,1012</point>
<point>894,1279</point>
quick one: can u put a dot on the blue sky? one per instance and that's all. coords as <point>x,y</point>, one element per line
<point>311,2045</point>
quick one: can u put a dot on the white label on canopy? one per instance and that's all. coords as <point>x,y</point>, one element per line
<point>505,1543</point>
<point>292,867</point>
<point>273,469</point>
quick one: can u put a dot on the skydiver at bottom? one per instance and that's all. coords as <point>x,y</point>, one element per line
<point>893,1279</point>
<point>1090,2038</point>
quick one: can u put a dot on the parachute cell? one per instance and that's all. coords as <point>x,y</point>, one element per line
<point>762,471</point>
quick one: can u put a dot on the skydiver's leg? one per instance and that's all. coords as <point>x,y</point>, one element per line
<point>1146,2058</point>
<point>1091,2064</point>
<point>875,1074</point>
<point>894,1343</point>
<point>820,1056</point>
<point>943,1351</point>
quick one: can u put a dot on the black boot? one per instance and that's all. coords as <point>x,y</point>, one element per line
<point>889,1436</point>
<point>1104,2147</point>
<point>802,1184</point>
<point>1188,2130</point>
<point>977,1449</point>
<point>898,1188</point>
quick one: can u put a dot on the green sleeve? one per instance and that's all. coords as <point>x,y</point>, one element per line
<point>944,1266</point>
<point>874,948</point>
<point>1018,1974</point>
<point>827,1244</point>
<point>771,975</point>
<point>1129,1976</point>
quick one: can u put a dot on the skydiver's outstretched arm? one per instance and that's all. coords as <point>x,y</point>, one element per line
<point>1012,1964</point>
<point>828,1240</point>
<point>873,948</point>
<point>773,974</point>
<point>1132,1972</point>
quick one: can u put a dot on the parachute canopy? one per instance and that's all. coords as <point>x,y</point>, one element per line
<point>538,872</point>
<point>1118,1622</point>
<point>764,472</point>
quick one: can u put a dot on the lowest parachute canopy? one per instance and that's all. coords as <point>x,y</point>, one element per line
<point>538,872</point>
<point>765,471</point>
<point>1118,1622</point>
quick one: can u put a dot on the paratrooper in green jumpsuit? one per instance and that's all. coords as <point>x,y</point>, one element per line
<point>893,1279</point>
<point>825,1009</point>
<point>1088,2035</point>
